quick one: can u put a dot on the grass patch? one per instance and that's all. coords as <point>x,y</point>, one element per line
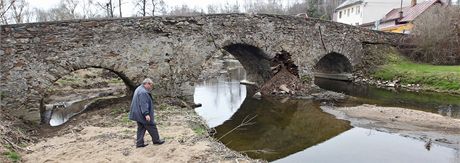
<point>125,119</point>
<point>429,76</point>
<point>118,111</point>
<point>306,79</point>
<point>13,156</point>
<point>2,95</point>
<point>115,81</point>
<point>165,106</point>
<point>199,129</point>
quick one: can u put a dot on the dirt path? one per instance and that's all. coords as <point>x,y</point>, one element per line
<point>107,135</point>
<point>423,125</point>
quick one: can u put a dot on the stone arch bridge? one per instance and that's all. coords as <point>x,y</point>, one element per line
<point>171,50</point>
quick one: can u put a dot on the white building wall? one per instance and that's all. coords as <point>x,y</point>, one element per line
<point>351,15</point>
<point>369,11</point>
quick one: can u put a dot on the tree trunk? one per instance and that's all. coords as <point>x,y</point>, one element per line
<point>119,7</point>
<point>143,7</point>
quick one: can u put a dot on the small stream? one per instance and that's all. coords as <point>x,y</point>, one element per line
<point>295,130</point>
<point>58,113</point>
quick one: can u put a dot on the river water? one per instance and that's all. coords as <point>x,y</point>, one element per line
<point>293,130</point>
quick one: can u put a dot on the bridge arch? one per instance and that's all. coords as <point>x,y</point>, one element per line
<point>334,66</point>
<point>254,60</point>
<point>86,85</point>
<point>334,63</point>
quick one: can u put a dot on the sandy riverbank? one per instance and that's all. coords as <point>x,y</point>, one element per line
<point>418,124</point>
<point>106,135</point>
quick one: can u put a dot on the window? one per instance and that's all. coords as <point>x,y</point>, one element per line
<point>348,12</point>
<point>352,10</point>
<point>357,10</point>
<point>340,14</point>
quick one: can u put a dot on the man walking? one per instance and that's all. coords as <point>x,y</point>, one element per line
<point>142,112</point>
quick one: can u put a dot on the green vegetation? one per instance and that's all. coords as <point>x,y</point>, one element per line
<point>115,81</point>
<point>431,77</point>
<point>117,111</point>
<point>305,79</point>
<point>13,156</point>
<point>199,129</point>
<point>2,95</point>
<point>125,119</point>
<point>164,106</point>
<point>69,80</point>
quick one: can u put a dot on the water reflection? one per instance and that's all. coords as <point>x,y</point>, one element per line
<point>220,99</point>
<point>59,113</point>
<point>446,105</point>
<point>365,145</point>
<point>62,113</point>
<point>280,127</point>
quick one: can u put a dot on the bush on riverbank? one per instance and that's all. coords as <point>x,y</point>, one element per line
<point>436,35</point>
<point>430,77</point>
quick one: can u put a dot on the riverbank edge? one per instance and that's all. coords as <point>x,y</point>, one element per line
<point>396,85</point>
<point>394,70</point>
<point>194,122</point>
<point>434,134</point>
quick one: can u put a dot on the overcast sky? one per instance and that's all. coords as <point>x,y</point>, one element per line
<point>129,5</point>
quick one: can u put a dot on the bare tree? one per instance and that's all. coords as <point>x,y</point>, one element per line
<point>108,7</point>
<point>41,15</point>
<point>142,5</point>
<point>119,7</point>
<point>261,6</point>
<point>18,9</point>
<point>60,12</point>
<point>70,6</point>
<point>5,6</point>
<point>296,8</point>
<point>184,10</point>
<point>212,9</point>
<point>437,36</point>
<point>156,4</point>
<point>90,8</point>
<point>230,8</point>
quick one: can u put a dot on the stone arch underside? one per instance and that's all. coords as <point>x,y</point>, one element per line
<point>254,60</point>
<point>334,66</point>
<point>127,82</point>
<point>333,63</point>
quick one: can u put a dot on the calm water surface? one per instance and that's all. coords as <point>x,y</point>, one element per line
<point>289,130</point>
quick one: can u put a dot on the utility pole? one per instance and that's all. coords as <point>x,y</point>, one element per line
<point>400,11</point>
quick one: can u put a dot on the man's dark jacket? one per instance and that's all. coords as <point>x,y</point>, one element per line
<point>141,105</point>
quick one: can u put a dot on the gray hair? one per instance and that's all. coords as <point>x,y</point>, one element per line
<point>147,80</point>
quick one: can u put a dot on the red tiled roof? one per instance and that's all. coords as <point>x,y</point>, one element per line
<point>409,12</point>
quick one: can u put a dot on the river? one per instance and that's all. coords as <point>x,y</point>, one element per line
<point>294,130</point>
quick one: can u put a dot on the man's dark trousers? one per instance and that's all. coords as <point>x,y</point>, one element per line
<point>151,128</point>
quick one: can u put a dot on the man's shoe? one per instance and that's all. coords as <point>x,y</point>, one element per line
<point>159,142</point>
<point>140,146</point>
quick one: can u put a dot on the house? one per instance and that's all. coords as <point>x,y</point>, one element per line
<point>357,12</point>
<point>400,20</point>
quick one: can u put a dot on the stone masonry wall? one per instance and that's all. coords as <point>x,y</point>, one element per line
<point>171,50</point>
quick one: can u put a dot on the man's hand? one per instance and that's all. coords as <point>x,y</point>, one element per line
<point>147,117</point>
